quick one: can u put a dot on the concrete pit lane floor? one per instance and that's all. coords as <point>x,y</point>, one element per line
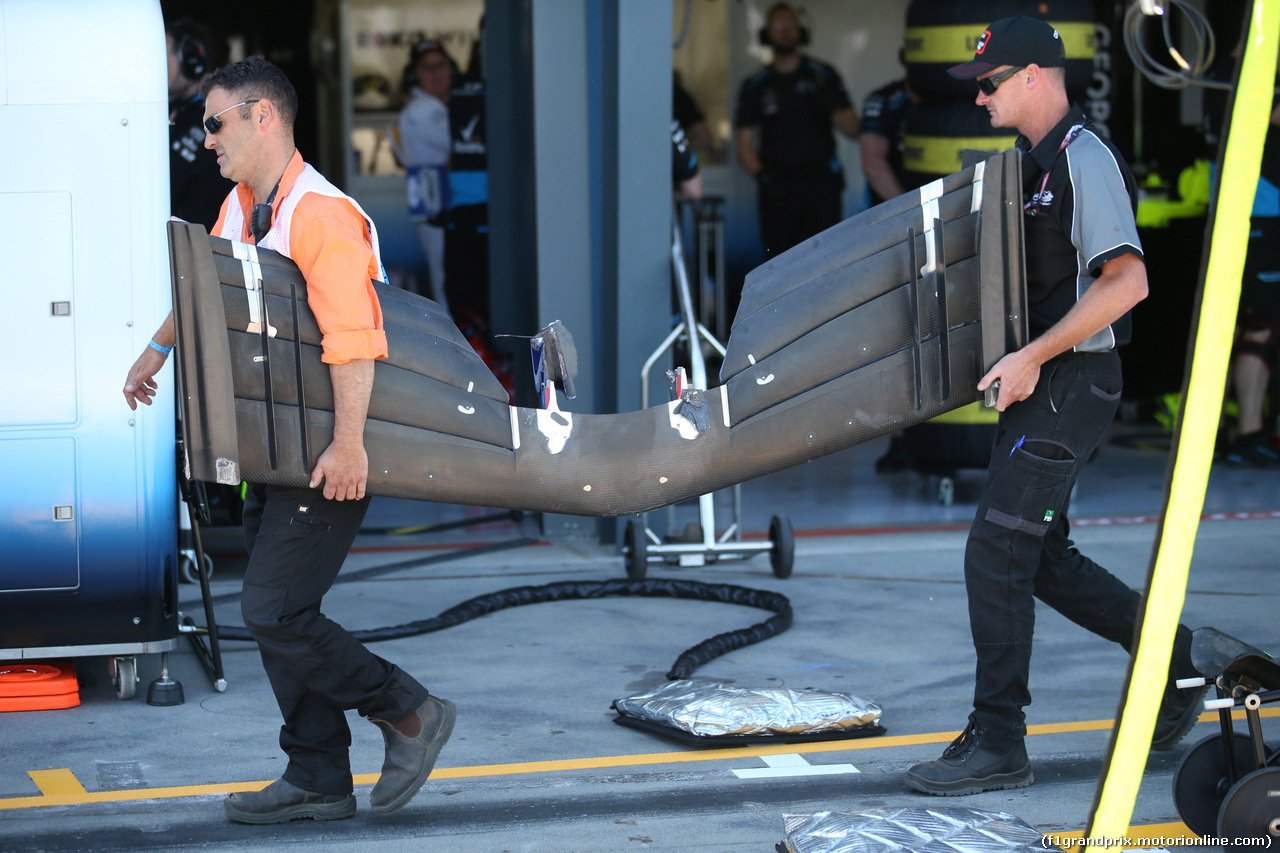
<point>536,762</point>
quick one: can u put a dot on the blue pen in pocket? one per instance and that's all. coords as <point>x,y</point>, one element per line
<point>1017,444</point>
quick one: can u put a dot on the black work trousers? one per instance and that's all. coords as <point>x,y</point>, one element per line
<point>793,210</point>
<point>1018,546</point>
<point>297,542</point>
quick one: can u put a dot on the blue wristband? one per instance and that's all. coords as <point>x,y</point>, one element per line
<point>162,350</point>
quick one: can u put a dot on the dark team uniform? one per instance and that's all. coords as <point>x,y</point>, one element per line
<point>196,187</point>
<point>466,252</point>
<point>684,163</point>
<point>1260,294</point>
<point>1079,201</point>
<point>882,114</point>
<point>684,106</point>
<point>801,180</point>
<point>1078,205</point>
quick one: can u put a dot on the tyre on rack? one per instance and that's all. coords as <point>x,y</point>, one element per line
<point>937,133</point>
<point>943,33</point>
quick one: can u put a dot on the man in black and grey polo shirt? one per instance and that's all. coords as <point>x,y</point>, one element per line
<point>1057,396</point>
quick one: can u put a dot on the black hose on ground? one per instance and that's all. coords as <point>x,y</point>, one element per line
<point>685,664</point>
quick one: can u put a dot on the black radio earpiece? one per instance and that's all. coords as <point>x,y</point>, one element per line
<point>801,16</point>
<point>260,216</point>
<point>191,57</point>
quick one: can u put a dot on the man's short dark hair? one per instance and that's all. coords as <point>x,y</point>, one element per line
<point>255,77</point>
<point>781,7</point>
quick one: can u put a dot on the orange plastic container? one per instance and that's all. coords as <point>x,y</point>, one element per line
<point>38,686</point>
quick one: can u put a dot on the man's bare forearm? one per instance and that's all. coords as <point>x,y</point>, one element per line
<point>352,388</point>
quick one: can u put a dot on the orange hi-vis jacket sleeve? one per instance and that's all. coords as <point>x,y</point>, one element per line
<point>329,241</point>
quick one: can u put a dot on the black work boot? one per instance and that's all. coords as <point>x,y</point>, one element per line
<point>409,760</point>
<point>973,763</point>
<point>1179,708</point>
<point>280,802</point>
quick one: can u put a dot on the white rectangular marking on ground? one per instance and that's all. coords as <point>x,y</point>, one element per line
<point>792,765</point>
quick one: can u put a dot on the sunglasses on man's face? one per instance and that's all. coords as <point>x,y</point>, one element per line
<point>213,124</point>
<point>988,85</point>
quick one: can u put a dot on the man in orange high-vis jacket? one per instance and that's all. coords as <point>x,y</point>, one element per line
<point>298,538</point>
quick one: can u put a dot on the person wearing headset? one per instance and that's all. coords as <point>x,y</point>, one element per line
<point>784,119</point>
<point>298,538</point>
<point>196,188</point>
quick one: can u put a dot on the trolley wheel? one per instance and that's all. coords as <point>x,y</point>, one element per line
<point>124,675</point>
<point>946,491</point>
<point>1251,809</point>
<point>1200,783</point>
<point>783,553</point>
<point>187,567</point>
<point>634,541</point>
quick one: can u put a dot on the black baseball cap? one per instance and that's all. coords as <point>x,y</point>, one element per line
<point>1017,41</point>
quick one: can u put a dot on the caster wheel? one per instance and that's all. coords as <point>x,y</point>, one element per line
<point>1251,810</point>
<point>946,491</point>
<point>187,567</point>
<point>783,553</point>
<point>124,675</point>
<point>1200,783</point>
<point>636,546</point>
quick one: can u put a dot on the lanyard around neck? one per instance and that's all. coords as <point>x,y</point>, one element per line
<point>1032,207</point>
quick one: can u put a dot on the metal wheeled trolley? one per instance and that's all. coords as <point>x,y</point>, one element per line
<point>1226,785</point>
<point>641,545</point>
<point>953,442</point>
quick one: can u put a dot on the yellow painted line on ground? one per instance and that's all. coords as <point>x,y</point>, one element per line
<point>57,783</point>
<point>61,788</point>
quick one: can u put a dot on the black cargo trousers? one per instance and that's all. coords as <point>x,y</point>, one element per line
<point>297,543</point>
<point>1018,546</point>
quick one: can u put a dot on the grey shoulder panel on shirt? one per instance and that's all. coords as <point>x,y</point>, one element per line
<point>1102,212</point>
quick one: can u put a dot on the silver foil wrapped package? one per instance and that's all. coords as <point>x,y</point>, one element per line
<point>918,830</point>
<point>708,709</point>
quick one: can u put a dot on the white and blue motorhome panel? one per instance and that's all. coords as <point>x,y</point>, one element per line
<point>88,531</point>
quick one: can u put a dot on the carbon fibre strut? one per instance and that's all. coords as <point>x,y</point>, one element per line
<point>917,342</point>
<point>268,395</point>
<point>944,325</point>
<point>302,397</point>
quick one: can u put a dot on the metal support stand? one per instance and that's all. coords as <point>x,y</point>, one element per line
<point>708,218</point>
<point>210,654</point>
<point>641,545</point>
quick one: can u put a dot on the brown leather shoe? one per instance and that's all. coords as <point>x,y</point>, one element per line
<point>409,761</point>
<point>280,802</point>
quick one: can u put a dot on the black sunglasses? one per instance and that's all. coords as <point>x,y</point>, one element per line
<point>213,124</point>
<point>988,85</point>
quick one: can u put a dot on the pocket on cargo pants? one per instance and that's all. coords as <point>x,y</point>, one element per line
<point>1028,489</point>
